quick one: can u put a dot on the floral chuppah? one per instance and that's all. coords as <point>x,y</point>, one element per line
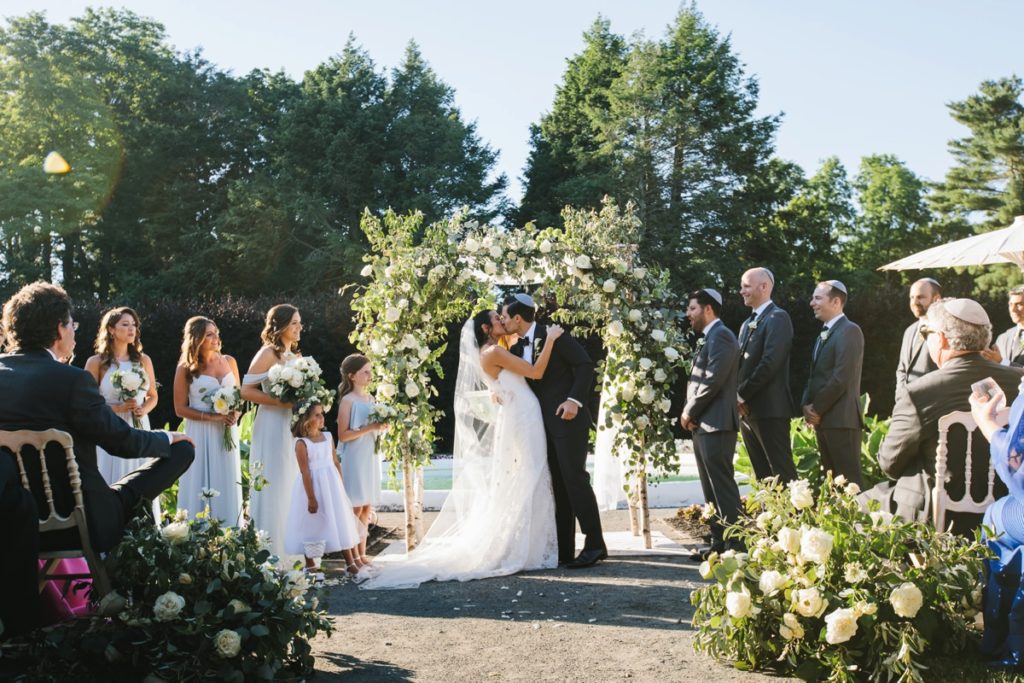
<point>829,591</point>
<point>424,278</point>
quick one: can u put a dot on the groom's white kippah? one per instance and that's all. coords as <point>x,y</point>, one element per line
<point>525,299</point>
<point>838,285</point>
<point>713,293</point>
<point>968,310</point>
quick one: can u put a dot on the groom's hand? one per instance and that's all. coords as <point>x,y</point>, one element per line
<point>567,410</point>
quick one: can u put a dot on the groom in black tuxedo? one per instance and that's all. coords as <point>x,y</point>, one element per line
<point>562,393</point>
<point>41,390</point>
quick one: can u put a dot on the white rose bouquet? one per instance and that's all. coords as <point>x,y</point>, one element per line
<point>827,592</point>
<point>223,401</point>
<point>382,413</point>
<point>298,381</point>
<point>131,385</point>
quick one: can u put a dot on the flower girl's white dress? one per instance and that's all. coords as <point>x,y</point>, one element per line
<point>334,522</point>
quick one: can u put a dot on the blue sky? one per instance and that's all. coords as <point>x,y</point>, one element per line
<point>851,78</point>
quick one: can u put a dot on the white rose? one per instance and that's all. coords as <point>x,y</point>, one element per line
<point>764,520</point>
<point>495,252</point>
<point>296,379</point>
<point>639,273</point>
<point>906,600</point>
<point>238,606</point>
<point>392,314</point>
<point>862,608</point>
<point>815,545</point>
<point>771,582</point>
<point>646,395</point>
<point>705,569</point>
<point>228,643</point>
<point>789,540</point>
<point>387,390</point>
<point>615,328</point>
<point>642,422</point>
<point>545,247</point>
<point>800,494</point>
<point>660,375</point>
<point>791,628</point>
<point>671,354</point>
<point>411,390</point>
<point>628,392</point>
<point>854,573</point>
<point>841,626</point>
<point>131,381</point>
<point>582,262</point>
<point>609,285</point>
<point>635,316</point>
<point>665,405</point>
<point>175,532</point>
<point>168,606</point>
<point>852,489</point>
<point>658,335</point>
<point>738,604</point>
<point>295,584</point>
<point>471,245</point>
<point>367,270</point>
<point>490,268</point>
<point>646,363</point>
<point>809,603</point>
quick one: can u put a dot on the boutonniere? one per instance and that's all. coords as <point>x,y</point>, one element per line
<point>824,336</point>
<point>537,344</point>
<point>752,325</point>
<point>700,343</point>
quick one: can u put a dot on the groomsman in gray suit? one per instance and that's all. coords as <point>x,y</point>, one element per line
<point>915,361</point>
<point>710,411</point>
<point>763,400</point>
<point>831,400</point>
<point>1010,344</point>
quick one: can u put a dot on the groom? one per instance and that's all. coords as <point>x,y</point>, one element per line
<point>561,392</point>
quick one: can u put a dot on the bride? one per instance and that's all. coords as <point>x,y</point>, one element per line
<point>500,515</point>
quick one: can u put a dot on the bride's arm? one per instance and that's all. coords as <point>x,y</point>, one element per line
<point>513,363</point>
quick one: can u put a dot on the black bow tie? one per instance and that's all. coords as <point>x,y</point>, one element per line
<point>519,346</point>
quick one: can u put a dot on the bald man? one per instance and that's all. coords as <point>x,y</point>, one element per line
<point>914,358</point>
<point>763,398</point>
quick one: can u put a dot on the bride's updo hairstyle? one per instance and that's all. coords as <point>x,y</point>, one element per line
<point>278,319</point>
<point>479,320</point>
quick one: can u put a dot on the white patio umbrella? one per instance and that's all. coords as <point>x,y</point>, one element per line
<point>999,246</point>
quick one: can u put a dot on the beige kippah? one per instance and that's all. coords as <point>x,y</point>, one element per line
<point>838,285</point>
<point>968,310</point>
<point>525,299</point>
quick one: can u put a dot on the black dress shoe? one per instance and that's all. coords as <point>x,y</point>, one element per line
<point>701,554</point>
<point>588,558</point>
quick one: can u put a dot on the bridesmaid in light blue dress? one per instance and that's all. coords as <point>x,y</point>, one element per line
<point>203,369</point>
<point>119,347</point>
<point>357,441</point>
<point>272,443</point>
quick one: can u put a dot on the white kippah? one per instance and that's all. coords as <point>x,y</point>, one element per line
<point>713,293</point>
<point>770,274</point>
<point>525,299</point>
<point>931,281</point>
<point>838,285</point>
<point>968,310</point>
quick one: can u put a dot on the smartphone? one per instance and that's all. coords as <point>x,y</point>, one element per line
<point>985,387</point>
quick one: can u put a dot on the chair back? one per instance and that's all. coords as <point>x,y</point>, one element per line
<point>942,501</point>
<point>24,441</point>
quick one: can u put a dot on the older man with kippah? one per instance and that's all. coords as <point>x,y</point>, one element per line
<point>957,331</point>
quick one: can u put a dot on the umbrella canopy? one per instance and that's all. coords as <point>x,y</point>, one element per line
<point>999,246</point>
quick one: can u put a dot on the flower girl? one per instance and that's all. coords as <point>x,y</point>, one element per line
<point>357,448</point>
<point>320,511</point>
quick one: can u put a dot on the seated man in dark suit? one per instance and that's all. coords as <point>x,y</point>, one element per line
<point>957,331</point>
<point>41,392</point>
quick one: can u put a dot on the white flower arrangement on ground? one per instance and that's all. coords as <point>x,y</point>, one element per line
<point>222,401</point>
<point>839,586</point>
<point>131,385</point>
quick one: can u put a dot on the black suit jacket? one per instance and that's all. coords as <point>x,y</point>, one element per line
<point>711,390</point>
<point>764,364</point>
<point>834,385</point>
<point>907,453</point>
<point>570,374</point>
<point>915,361</point>
<point>40,393</point>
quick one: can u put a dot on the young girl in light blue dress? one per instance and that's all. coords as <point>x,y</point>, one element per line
<point>357,448</point>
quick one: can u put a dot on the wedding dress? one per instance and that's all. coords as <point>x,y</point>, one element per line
<point>499,518</point>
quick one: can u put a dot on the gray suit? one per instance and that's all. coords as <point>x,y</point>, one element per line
<point>907,453</point>
<point>915,361</point>
<point>711,402</point>
<point>833,390</point>
<point>764,387</point>
<point>1009,345</point>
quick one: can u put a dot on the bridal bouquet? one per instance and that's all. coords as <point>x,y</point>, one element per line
<point>829,591</point>
<point>129,384</point>
<point>298,381</point>
<point>223,401</point>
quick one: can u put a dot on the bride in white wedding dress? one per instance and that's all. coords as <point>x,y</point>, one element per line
<point>499,518</point>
